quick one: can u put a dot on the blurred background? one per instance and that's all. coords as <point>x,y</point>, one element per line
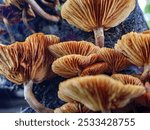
<point>145,6</point>
<point>11,95</point>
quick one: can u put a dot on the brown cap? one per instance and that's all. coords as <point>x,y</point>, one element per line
<point>73,47</point>
<point>71,65</point>
<point>116,60</point>
<point>98,93</point>
<point>92,14</point>
<point>135,46</point>
<point>72,107</point>
<point>127,79</point>
<point>29,60</point>
<point>97,68</point>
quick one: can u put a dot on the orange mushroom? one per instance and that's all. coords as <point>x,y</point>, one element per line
<point>73,47</point>
<point>97,15</point>
<point>136,47</point>
<point>97,68</point>
<point>72,108</point>
<point>116,61</point>
<point>72,65</point>
<point>28,62</point>
<point>127,79</point>
<point>98,93</point>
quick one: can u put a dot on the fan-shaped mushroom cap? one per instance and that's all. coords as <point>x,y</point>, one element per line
<point>98,68</point>
<point>127,79</point>
<point>73,47</point>
<point>92,14</point>
<point>52,39</point>
<point>72,108</point>
<point>135,46</point>
<point>97,15</point>
<point>72,65</point>
<point>115,59</point>
<point>29,60</point>
<point>98,93</point>
<point>9,62</point>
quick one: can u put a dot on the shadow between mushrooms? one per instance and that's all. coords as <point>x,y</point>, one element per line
<point>97,15</point>
<point>27,63</point>
<point>98,93</point>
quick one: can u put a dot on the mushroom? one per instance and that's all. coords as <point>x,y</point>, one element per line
<point>72,107</point>
<point>127,79</point>
<point>27,63</point>
<point>73,47</point>
<point>136,47</point>
<point>98,93</point>
<point>72,65</point>
<point>97,15</point>
<point>116,60</point>
<point>34,6</point>
<point>97,68</point>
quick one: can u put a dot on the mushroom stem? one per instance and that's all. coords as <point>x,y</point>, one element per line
<point>32,101</point>
<point>25,21</point>
<point>12,39</point>
<point>41,12</point>
<point>146,74</point>
<point>99,37</point>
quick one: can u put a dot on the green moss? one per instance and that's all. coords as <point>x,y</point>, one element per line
<point>147,9</point>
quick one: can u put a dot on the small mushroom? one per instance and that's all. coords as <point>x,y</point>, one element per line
<point>98,93</point>
<point>27,63</point>
<point>72,65</point>
<point>97,68</point>
<point>136,47</point>
<point>72,107</point>
<point>116,60</point>
<point>73,47</point>
<point>97,15</point>
<point>127,79</point>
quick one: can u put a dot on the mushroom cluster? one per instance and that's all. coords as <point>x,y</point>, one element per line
<point>94,80</point>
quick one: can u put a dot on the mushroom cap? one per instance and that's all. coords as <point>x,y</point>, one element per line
<point>29,60</point>
<point>116,60</point>
<point>135,46</point>
<point>71,65</point>
<point>127,79</point>
<point>92,14</point>
<point>72,107</point>
<point>97,68</point>
<point>73,47</point>
<point>98,93</point>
